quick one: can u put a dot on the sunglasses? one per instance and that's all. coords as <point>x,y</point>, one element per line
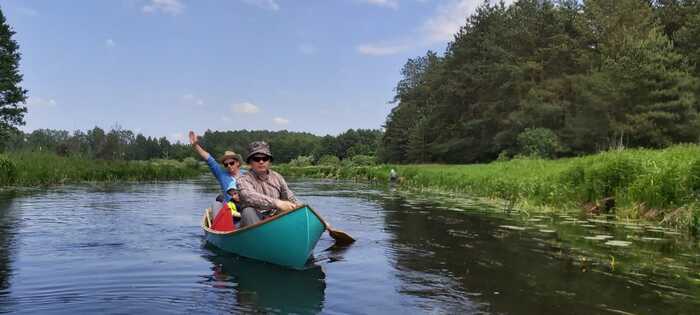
<point>260,158</point>
<point>229,163</point>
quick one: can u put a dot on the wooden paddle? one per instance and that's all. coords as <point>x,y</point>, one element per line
<point>340,237</point>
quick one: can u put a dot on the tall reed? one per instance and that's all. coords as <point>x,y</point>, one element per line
<point>33,168</point>
<point>659,185</point>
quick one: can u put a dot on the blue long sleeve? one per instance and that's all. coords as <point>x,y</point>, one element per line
<point>225,180</point>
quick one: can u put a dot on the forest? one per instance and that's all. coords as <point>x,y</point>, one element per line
<point>552,79</point>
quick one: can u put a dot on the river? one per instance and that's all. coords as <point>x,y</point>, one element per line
<point>138,248</point>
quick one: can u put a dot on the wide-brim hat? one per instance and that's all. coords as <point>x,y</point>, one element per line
<point>258,147</point>
<point>231,155</point>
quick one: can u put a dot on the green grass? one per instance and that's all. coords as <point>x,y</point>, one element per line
<point>660,185</point>
<point>32,168</point>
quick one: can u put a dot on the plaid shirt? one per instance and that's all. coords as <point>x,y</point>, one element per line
<point>260,191</point>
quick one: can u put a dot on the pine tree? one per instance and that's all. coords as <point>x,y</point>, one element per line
<point>12,96</point>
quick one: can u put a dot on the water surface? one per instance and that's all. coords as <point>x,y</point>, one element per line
<point>131,248</point>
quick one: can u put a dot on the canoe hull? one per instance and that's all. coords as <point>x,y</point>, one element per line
<point>287,239</point>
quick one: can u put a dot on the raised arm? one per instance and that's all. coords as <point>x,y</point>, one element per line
<point>195,144</point>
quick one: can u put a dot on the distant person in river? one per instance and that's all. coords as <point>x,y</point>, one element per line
<point>227,177</point>
<point>393,176</point>
<point>263,191</point>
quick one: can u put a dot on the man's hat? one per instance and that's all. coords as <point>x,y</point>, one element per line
<point>258,147</point>
<point>230,155</point>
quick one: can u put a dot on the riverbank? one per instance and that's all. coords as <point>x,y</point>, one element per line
<point>32,168</point>
<point>655,185</point>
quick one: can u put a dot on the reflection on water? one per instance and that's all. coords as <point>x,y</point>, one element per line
<point>262,287</point>
<point>7,222</point>
<point>137,248</point>
<point>449,254</point>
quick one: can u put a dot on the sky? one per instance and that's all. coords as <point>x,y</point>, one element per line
<point>163,67</point>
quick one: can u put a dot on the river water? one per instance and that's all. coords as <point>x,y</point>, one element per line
<point>138,248</point>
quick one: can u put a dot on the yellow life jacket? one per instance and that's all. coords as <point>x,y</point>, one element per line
<point>234,211</point>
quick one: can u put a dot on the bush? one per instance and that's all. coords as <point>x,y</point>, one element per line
<point>328,160</point>
<point>363,160</point>
<point>301,161</point>
<point>694,176</point>
<point>8,171</point>
<point>539,142</point>
<point>190,162</point>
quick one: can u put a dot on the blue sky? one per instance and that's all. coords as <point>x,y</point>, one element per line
<point>163,67</point>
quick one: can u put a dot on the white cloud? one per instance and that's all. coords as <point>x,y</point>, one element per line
<point>190,98</point>
<point>393,4</point>
<point>440,27</point>
<point>307,49</point>
<point>448,19</point>
<point>226,119</point>
<point>109,43</point>
<point>381,49</point>
<point>280,121</point>
<point>245,108</point>
<point>28,11</point>
<point>172,7</point>
<point>40,102</point>
<point>265,4</point>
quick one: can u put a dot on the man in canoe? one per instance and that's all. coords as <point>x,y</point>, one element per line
<point>226,177</point>
<point>262,190</point>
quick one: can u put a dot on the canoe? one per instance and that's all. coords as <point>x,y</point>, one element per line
<point>287,239</point>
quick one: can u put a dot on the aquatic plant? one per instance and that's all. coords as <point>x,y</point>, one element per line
<point>661,185</point>
<point>34,168</point>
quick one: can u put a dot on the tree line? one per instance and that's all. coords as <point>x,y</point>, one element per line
<point>121,144</point>
<point>552,78</point>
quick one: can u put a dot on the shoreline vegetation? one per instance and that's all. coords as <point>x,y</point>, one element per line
<point>660,186</point>
<point>37,168</point>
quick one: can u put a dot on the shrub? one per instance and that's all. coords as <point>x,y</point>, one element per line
<point>190,162</point>
<point>328,160</point>
<point>363,160</point>
<point>8,171</point>
<point>302,160</point>
<point>539,142</point>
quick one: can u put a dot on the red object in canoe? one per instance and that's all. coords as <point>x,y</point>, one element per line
<point>224,220</point>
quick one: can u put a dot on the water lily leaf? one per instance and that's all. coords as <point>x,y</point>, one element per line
<point>511,227</point>
<point>618,243</point>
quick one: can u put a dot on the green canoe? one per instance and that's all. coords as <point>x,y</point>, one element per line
<point>286,239</point>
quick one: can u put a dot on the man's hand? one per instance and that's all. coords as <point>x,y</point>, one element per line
<point>193,138</point>
<point>284,205</point>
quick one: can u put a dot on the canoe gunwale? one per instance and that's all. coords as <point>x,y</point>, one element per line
<point>253,226</point>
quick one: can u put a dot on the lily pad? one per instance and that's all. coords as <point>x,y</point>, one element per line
<point>598,237</point>
<point>632,226</point>
<point>511,227</point>
<point>618,243</point>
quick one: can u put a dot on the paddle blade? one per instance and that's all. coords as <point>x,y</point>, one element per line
<point>223,221</point>
<point>340,237</point>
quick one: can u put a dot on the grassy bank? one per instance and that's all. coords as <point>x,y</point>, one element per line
<point>31,168</point>
<point>660,185</point>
